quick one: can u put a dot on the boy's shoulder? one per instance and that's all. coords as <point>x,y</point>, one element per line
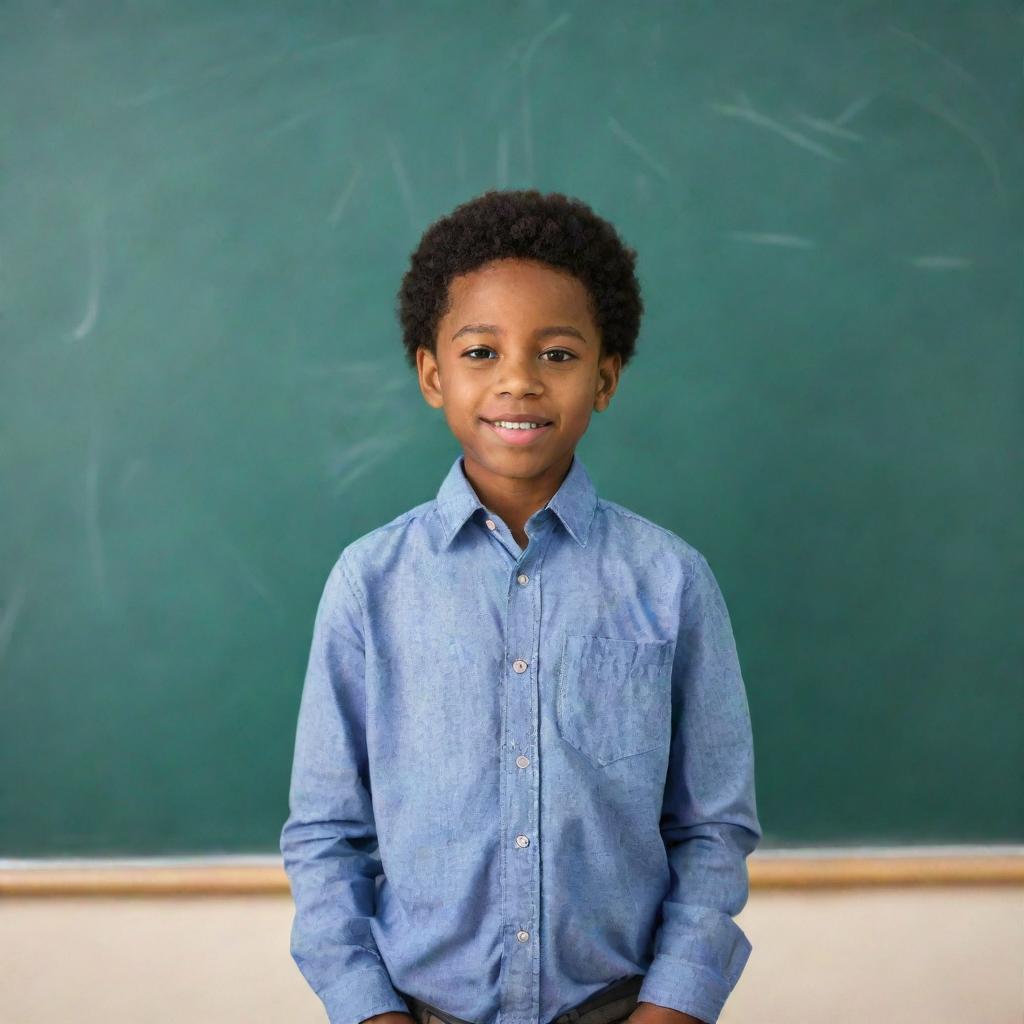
<point>652,536</point>
<point>368,546</point>
<point>648,528</point>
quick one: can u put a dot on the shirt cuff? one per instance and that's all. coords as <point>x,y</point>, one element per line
<point>362,994</point>
<point>686,987</point>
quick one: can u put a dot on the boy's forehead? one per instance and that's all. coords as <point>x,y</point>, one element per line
<point>511,283</point>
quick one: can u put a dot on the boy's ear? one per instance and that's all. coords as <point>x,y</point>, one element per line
<point>427,372</point>
<point>608,370</point>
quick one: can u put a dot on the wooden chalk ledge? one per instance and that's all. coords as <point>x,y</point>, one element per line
<point>776,869</point>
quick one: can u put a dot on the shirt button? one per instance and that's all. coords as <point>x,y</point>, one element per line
<point>519,666</point>
<point>523,579</point>
<point>522,936</point>
<point>523,762</point>
<point>490,524</point>
<point>522,840</point>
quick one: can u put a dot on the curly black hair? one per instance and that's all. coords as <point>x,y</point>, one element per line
<point>554,229</point>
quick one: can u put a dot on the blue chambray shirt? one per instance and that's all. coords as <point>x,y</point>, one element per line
<point>520,775</point>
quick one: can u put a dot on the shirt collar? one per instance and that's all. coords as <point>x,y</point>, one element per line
<point>574,502</point>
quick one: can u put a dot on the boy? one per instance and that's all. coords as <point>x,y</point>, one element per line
<point>523,787</point>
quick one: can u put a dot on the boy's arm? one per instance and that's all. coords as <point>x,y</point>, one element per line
<point>329,840</point>
<point>709,818</point>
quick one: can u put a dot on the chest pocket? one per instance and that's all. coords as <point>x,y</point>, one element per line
<point>614,696</point>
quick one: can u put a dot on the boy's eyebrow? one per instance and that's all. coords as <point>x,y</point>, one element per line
<point>541,332</point>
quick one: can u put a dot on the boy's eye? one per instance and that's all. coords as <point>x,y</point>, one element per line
<point>547,352</point>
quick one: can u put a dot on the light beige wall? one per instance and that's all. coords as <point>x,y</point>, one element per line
<point>884,956</point>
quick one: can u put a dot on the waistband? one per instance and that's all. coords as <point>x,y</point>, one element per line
<point>611,1003</point>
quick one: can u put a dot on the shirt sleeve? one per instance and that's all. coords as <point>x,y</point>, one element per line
<point>709,817</point>
<point>329,840</point>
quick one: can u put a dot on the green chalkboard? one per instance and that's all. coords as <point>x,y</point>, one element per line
<point>205,212</point>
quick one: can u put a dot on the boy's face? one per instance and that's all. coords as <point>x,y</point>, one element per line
<point>518,338</point>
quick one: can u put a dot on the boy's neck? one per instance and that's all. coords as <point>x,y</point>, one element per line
<point>515,499</point>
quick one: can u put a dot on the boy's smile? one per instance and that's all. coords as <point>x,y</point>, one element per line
<point>525,434</point>
<point>517,342</point>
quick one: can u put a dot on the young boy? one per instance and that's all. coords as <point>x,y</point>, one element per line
<point>523,787</point>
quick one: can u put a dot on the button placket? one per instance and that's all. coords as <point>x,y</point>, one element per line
<point>522,721</point>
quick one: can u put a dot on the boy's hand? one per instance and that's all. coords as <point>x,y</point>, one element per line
<point>651,1013</point>
<point>391,1017</point>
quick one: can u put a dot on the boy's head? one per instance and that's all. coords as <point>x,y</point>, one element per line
<point>486,288</point>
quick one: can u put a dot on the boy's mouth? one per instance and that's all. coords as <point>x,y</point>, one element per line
<point>518,433</point>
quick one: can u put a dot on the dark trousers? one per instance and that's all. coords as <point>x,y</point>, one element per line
<point>611,1005</point>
